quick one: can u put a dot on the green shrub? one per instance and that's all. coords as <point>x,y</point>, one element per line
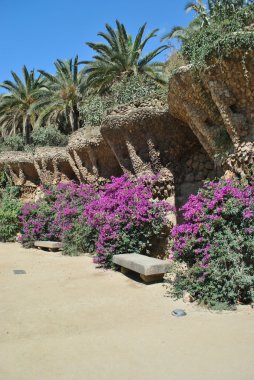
<point>10,207</point>
<point>220,38</point>
<point>48,136</point>
<point>13,143</point>
<point>94,107</point>
<point>44,136</point>
<point>5,178</point>
<point>130,89</point>
<point>174,61</point>
<point>80,239</point>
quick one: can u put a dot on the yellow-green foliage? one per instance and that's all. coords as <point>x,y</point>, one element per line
<point>220,38</point>
<point>10,207</point>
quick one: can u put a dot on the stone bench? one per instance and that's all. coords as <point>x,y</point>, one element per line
<point>50,245</point>
<point>149,268</point>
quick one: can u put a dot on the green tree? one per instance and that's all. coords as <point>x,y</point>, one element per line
<point>183,34</point>
<point>61,95</point>
<point>215,11</point>
<point>201,11</point>
<point>16,113</point>
<point>222,9</point>
<point>120,56</point>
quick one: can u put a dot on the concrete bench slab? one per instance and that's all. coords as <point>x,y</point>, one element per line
<point>50,245</point>
<point>149,268</point>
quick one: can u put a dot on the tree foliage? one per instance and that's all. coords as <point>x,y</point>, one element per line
<point>35,102</point>
<point>16,114</point>
<point>95,107</point>
<point>206,16</point>
<point>61,95</point>
<point>120,56</point>
<point>220,38</point>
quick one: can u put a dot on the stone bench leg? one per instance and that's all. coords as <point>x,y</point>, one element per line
<point>152,278</point>
<point>124,270</point>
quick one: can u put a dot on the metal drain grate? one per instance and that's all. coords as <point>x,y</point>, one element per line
<point>19,271</point>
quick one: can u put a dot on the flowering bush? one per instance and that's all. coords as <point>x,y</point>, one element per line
<point>80,238</point>
<point>36,223</point>
<point>52,216</point>
<point>121,217</point>
<point>125,217</point>
<point>216,242</point>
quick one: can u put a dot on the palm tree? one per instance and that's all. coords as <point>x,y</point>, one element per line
<point>200,9</point>
<point>15,105</point>
<point>183,34</point>
<point>202,20</point>
<point>62,94</point>
<point>121,56</point>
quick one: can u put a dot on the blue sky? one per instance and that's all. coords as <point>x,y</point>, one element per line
<point>37,32</point>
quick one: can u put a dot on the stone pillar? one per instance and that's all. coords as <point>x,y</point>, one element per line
<point>223,100</point>
<point>201,129</point>
<point>74,166</point>
<point>138,165</point>
<point>93,160</point>
<point>83,171</point>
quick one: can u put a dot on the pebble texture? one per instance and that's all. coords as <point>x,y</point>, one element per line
<point>217,102</point>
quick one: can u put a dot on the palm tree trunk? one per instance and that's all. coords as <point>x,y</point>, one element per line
<point>27,129</point>
<point>74,119</point>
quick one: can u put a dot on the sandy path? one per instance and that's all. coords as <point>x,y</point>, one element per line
<point>65,319</point>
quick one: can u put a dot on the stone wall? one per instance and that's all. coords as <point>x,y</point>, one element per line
<point>21,167</point>
<point>206,128</point>
<point>90,156</point>
<point>218,105</point>
<point>52,165</point>
<point>149,141</point>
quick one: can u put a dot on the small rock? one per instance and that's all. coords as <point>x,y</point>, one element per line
<point>229,175</point>
<point>187,297</point>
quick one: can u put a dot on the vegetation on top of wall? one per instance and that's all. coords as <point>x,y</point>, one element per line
<point>50,136</point>
<point>218,28</point>
<point>15,142</point>
<point>220,38</point>
<point>127,90</point>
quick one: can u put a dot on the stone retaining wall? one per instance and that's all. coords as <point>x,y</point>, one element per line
<point>206,128</point>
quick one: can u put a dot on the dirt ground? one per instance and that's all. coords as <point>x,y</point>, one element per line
<point>65,319</point>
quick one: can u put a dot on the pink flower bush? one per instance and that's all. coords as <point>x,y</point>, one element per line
<point>126,218</point>
<point>121,216</point>
<point>52,216</point>
<point>216,241</point>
